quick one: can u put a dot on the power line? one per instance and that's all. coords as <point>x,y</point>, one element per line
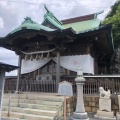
<point>19,1</point>
<point>24,2</point>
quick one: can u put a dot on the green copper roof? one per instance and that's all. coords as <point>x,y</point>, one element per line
<point>49,16</point>
<point>54,22</point>
<point>84,25</point>
<point>30,24</point>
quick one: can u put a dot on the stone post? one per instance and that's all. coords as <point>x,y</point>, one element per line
<point>2,80</point>
<point>19,73</point>
<point>80,113</point>
<point>58,70</point>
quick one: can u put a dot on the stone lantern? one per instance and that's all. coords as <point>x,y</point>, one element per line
<point>80,113</point>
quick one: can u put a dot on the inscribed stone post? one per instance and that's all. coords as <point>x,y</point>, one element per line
<point>65,89</point>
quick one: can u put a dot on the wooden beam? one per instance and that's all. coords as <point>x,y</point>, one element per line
<point>37,43</point>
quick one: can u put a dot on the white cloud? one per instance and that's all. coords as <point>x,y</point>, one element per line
<point>1,23</point>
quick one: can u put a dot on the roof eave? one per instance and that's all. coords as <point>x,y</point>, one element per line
<point>8,67</point>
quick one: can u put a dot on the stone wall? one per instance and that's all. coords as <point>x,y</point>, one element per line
<point>91,104</point>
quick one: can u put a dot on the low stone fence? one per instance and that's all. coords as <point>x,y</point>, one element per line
<point>91,104</point>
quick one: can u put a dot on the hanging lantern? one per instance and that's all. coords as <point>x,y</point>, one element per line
<point>48,55</point>
<point>31,58</point>
<point>37,57</point>
<point>26,57</point>
<point>41,56</point>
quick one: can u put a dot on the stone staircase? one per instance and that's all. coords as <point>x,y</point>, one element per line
<point>33,106</point>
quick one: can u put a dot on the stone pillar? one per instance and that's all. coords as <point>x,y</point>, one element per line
<point>58,70</point>
<point>19,73</point>
<point>80,113</point>
<point>118,113</point>
<point>2,80</point>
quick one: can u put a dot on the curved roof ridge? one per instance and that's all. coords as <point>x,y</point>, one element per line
<point>52,15</point>
<point>28,23</point>
<point>49,17</point>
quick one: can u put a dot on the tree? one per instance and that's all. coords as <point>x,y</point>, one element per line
<point>114,18</point>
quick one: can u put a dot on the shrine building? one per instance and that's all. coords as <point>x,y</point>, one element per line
<point>53,51</point>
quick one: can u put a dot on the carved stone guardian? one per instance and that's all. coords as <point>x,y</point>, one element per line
<point>104,111</point>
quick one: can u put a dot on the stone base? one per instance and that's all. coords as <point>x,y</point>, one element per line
<point>80,116</point>
<point>104,115</point>
<point>118,116</point>
<point>104,118</point>
<point>105,104</point>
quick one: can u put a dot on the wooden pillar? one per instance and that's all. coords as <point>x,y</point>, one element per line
<point>58,70</point>
<point>2,81</point>
<point>19,73</point>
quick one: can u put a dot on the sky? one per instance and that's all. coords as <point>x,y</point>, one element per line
<point>13,12</point>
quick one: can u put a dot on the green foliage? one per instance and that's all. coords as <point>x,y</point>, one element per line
<point>114,18</point>
<point>113,9</point>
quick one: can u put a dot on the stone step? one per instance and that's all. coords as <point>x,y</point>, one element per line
<point>27,116</point>
<point>32,111</point>
<point>10,118</point>
<point>45,96</point>
<point>34,106</point>
<point>43,102</point>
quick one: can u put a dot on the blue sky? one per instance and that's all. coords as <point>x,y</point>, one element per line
<point>13,12</point>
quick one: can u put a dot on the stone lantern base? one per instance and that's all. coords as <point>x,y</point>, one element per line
<point>80,116</point>
<point>118,116</point>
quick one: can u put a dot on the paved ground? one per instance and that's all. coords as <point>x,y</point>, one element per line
<point>90,115</point>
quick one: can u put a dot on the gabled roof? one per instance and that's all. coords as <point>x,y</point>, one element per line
<point>50,18</point>
<point>28,23</point>
<point>78,24</point>
<point>78,19</point>
<point>82,23</point>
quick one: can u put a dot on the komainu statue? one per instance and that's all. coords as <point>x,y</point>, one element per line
<point>104,94</point>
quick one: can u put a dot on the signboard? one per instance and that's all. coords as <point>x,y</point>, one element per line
<point>65,89</point>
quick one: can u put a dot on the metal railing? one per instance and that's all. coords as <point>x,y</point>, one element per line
<point>9,103</point>
<point>91,85</point>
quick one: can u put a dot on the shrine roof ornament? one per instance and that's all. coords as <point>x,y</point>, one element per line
<point>28,23</point>
<point>49,17</point>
